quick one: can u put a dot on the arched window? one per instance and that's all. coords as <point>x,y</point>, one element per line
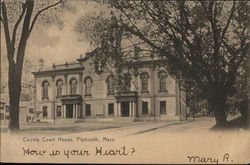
<point>73,86</point>
<point>162,81</point>
<point>45,88</point>
<point>110,84</point>
<point>88,86</point>
<point>59,85</point>
<point>144,81</point>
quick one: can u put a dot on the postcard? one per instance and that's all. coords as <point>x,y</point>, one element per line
<point>103,81</point>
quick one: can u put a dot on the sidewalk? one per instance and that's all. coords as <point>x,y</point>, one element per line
<point>132,130</point>
<point>95,128</point>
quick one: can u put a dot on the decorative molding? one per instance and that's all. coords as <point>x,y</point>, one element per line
<point>65,71</point>
<point>162,73</point>
<point>144,73</point>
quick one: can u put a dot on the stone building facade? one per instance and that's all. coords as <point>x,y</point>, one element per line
<point>84,90</point>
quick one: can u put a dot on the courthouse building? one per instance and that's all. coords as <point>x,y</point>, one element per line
<point>86,90</point>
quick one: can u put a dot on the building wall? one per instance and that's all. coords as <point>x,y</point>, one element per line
<point>24,114</point>
<point>99,99</point>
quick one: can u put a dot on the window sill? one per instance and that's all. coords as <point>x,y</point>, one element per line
<point>144,91</point>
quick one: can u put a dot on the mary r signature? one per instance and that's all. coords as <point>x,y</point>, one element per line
<point>204,159</point>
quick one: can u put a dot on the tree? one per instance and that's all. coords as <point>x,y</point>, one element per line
<point>16,50</point>
<point>205,42</point>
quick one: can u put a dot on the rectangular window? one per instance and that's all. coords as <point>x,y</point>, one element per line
<point>88,110</point>
<point>88,86</point>
<point>45,111</point>
<point>30,110</point>
<point>59,111</point>
<point>7,108</point>
<point>6,117</point>
<point>163,85</point>
<point>144,108</point>
<point>163,109</point>
<point>2,116</point>
<point>111,108</point>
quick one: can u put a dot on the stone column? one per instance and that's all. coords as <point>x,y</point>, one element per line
<point>64,111</point>
<point>118,109</point>
<point>66,84</point>
<point>130,108</point>
<point>134,108</point>
<point>74,112</point>
<point>76,107</point>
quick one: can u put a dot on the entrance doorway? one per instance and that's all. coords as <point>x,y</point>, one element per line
<point>69,110</point>
<point>125,109</point>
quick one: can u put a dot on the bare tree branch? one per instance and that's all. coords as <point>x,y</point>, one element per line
<point>7,31</point>
<point>228,22</point>
<point>17,24</point>
<point>39,12</point>
<point>24,37</point>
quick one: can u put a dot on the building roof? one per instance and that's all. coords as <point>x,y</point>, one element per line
<point>60,69</point>
<point>77,66</point>
<point>89,54</point>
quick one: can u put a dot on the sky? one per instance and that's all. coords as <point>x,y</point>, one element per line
<point>57,45</point>
<point>52,44</point>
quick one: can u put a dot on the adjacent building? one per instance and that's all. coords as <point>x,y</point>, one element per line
<point>85,89</point>
<point>26,108</point>
<point>25,112</point>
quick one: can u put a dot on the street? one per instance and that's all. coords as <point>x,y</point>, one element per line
<point>154,128</point>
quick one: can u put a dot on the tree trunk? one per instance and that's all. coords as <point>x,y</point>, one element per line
<point>14,97</point>
<point>218,106</point>
<point>14,115</point>
<point>220,115</point>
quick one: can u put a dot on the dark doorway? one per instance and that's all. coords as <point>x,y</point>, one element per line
<point>88,110</point>
<point>69,110</point>
<point>125,109</point>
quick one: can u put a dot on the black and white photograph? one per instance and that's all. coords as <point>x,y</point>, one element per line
<point>124,81</point>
